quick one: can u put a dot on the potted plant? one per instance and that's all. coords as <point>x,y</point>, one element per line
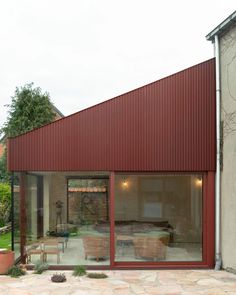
<point>6,260</point>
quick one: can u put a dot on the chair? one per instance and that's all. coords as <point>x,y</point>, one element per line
<point>33,249</point>
<point>96,246</point>
<point>151,247</point>
<point>51,247</point>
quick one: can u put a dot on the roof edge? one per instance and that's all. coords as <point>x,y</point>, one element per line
<point>57,111</point>
<point>222,26</point>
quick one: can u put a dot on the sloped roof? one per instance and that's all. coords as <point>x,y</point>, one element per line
<point>222,27</point>
<point>168,125</point>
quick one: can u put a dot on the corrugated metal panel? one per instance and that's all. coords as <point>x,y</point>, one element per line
<point>168,125</point>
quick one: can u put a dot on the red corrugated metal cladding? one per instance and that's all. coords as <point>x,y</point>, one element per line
<point>168,125</point>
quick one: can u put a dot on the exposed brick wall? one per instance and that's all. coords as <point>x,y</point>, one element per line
<point>95,209</point>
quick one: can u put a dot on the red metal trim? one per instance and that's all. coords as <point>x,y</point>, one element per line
<point>22,217</point>
<point>112,219</point>
<point>167,265</point>
<point>128,267</point>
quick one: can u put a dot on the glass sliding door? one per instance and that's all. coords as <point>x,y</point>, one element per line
<point>32,209</point>
<point>88,222</point>
<point>158,218</point>
<point>67,219</point>
<point>16,215</point>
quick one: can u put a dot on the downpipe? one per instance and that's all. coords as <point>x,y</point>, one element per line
<point>218,256</point>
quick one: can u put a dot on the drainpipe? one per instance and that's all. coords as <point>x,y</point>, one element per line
<point>218,259</point>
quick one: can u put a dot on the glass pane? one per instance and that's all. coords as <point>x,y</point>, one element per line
<point>31,208</point>
<point>16,214</point>
<point>67,220</point>
<point>158,218</point>
<point>88,220</point>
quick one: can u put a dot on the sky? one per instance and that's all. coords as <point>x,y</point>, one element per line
<point>86,51</point>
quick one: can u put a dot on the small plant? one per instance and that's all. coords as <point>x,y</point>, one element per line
<point>79,270</point>
<point>16,271</point>
<point>23,267</point>
<point>58,278</point>
<point>40,267</point>
<point>96,275</point>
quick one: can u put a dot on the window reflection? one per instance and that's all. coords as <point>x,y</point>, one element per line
<point>158,217</point>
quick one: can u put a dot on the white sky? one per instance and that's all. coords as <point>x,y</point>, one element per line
<point>85,51</point>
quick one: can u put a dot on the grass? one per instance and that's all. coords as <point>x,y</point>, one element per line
<point>79,270</point>
<point>5,240</point>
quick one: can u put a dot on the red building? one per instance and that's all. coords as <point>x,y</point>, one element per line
<point>127,183</point>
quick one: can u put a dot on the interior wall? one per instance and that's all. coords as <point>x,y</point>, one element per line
<point>77,212</point>
<point>58,192</point>
<point>176,200</point>
<point>46,202</point>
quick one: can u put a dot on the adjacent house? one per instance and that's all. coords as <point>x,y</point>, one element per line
<point>224,39</point>
<point>127,183</point>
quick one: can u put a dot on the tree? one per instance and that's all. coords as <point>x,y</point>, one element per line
<point>30,108</point>
<point>4,175</point>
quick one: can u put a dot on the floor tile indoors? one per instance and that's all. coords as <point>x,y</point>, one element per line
<point>73,254</point>
<point>142,282</point>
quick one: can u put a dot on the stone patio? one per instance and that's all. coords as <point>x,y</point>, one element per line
<point>174,282</point>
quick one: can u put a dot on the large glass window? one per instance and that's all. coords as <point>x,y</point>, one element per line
<point>158,218</point>
<point>16,215</point>
<point>67,219</point>
<point>88,221</point>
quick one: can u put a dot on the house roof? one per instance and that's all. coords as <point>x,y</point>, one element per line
<point>58,112</point>
<point>167,125</point>
<point>222,27</point>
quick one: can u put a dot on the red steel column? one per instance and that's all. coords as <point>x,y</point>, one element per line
<point>112,219</point>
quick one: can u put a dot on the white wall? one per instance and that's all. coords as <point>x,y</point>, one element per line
<point>228,84</point>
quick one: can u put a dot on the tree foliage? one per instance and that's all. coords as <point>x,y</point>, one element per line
<point>4,175</point>
<point>30,108</point>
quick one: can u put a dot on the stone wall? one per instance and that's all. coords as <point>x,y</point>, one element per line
<point>87,207</point>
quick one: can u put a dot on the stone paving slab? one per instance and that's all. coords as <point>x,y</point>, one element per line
<point>139,282</point>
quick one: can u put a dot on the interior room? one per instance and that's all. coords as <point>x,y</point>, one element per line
<point>157,218</point>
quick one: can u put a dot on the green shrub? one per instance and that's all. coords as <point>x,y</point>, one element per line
<point>5,203</point>
<point>79,270</point>
<point>74,232</point>
<point>96,275</point>
<point>15,271</point>
<point>40,267</point>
